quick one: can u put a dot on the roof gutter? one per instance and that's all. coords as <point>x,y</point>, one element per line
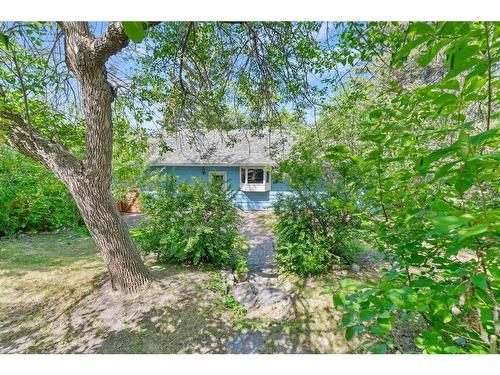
<point>211,165</point>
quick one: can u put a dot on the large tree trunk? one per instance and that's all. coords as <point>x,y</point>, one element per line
<point>126,269</point>
<point>86,57</point>
<point>88,180</point>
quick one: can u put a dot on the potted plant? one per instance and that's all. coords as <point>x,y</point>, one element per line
<point>241,270</point>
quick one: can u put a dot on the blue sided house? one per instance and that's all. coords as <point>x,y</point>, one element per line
<point>244,162</point>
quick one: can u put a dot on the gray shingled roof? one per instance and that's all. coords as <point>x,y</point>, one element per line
<point>217,148</point>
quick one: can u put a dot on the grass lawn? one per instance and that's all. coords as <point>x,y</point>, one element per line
<point>54,297</point>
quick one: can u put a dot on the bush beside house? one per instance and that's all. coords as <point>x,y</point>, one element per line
<point>189,223</point>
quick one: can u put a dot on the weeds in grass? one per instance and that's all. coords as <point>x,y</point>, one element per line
<point>216,284</point>
<point>267,220</point>
<point>234,305</point>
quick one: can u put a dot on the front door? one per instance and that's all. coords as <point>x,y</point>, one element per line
<point>217,177</point>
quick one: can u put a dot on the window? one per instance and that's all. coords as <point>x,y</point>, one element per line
<point>255,176</point>
<point>255,179</point>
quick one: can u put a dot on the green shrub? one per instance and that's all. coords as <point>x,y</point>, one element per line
<point>241,266</point>
<point>189,223</point>
<point>307,257</point>
<point>311,235</point>
<point>431,189</point>
<point>31,198</point>
<point>350,249</point>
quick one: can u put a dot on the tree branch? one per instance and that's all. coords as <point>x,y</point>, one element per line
<point>86,56</point>
<point>23,86</point>
<point>181,60</point>
<point>110,43</point>
<point>29,142</point>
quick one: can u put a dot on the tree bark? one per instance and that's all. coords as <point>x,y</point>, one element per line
<point>89,180</point>
<point>98,209</point>
<point>86,57</point>
<point>94,200</point>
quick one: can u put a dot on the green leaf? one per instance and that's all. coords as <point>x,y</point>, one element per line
<point>448,28</point>
<point>385,315</point>
<point>479,281</point>
<point>418,28</point>
<point>442,206</point>
<point>445,169</point>
<point>379,349</point>
<point>4,39</point>
<point>436,155</point>
<point>472,231</point>
<point>366,314</point>
<point>376,114</point>
<point>464,180</point>
<point>444,224</point>
<point>461,67</point>
<point>446,99</point>
<point>451,84</point>
<point>426,58</point>
<point>495,272</point>
<point>447,317</point>
<point>338,149</point>
<point>338,299</point>
<point>134,30</point>
<point>454,248</point>
<point>486,315</point>
<point>377,138</point>
<point>352,331</point>
<point>402,54</point>
<point>381,328</point>
<point>481,137</point>
<point>346,319</point>
<point>348,284</point>
<point>478,71</point>
<point>422,282</point>
<point>395,296</point>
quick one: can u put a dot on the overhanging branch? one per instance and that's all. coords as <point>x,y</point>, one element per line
<point>112,41</point>
<point>29,142</point>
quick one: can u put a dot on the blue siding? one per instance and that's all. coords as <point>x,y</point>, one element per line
<point>247,201</point>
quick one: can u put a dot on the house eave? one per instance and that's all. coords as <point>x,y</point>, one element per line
<point>236,165</point>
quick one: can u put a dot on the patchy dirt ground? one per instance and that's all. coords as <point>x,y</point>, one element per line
<point>55,298</point>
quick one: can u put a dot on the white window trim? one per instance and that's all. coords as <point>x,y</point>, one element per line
<point>255,186</point>
<point>218,173</point>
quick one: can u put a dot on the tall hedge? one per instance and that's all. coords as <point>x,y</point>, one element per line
<point>31,198</point>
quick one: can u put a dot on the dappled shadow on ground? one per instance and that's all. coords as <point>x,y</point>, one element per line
<point>68,306</point>
<point>36,325</point>
<point>177,314</point>
<point>60,301</point>
<point>45,252</point>
<point>261,247</point>
<point>312,324</point>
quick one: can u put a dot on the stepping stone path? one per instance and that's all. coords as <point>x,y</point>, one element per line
<point>246,294</point>
<point>261,295</point>
<point>268,295</point>
<point>245,343</point>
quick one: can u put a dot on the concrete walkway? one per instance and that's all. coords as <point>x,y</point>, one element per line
<point>261,260</point>
<point>133,219</point>
<point>262,295</point>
